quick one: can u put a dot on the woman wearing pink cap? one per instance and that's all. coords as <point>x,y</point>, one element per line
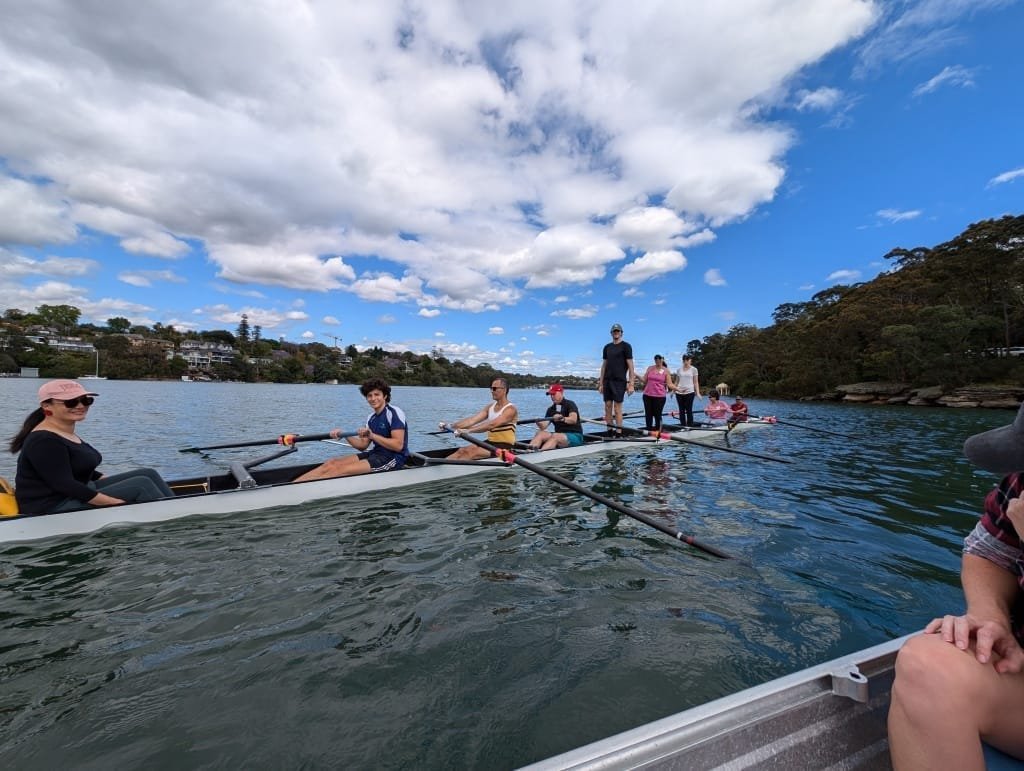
<point>57,470</point>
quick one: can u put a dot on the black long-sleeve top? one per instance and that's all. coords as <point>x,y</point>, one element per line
<point>52,469</point>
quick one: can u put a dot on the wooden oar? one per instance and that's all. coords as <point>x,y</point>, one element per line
<point>697,442</point>
<point>809,428</point>
<point>286,439</point>
<point>510,457</point>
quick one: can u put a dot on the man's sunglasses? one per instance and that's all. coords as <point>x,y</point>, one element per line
<point>72,403</point>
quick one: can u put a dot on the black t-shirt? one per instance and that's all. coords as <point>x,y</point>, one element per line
<point>52,469</point>
<point>615,356</point>
<point>566,408</point>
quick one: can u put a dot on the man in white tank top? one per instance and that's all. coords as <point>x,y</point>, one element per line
<point>498,419</point>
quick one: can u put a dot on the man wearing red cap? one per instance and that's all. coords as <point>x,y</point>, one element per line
<point>562,427</point>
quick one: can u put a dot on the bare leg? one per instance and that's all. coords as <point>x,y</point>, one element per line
<point>538,441</point>
<point>555,441</point>
<point>345,466</point>
<point>944,702</point>
<point>469,452</point>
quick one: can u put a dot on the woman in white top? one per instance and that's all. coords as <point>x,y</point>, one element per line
<point>687,387</point>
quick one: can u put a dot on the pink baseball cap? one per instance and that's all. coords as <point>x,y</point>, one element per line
<point>62,389</point>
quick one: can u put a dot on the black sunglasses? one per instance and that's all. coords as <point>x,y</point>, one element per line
<point>72,403</point>
<point>496,388</point>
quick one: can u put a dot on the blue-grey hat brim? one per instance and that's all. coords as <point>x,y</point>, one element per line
<point>1000,450</point>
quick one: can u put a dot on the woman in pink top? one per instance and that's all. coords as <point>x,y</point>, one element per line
<point>716,410</point>
<point>657,382</point>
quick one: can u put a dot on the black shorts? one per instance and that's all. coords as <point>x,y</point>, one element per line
<point>614,391</point>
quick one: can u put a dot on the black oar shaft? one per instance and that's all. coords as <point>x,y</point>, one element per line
<point>751,453</point>
<point>810,428</point>
<point>260,442</point>
<point>525,421</point>
<point>697,442</point>
<point>602,499</point>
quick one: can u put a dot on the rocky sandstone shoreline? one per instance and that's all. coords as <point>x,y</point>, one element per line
<point>1005,397</point>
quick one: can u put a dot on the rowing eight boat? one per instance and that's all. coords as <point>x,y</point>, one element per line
<point>241,490</point>
<point>702,433</point>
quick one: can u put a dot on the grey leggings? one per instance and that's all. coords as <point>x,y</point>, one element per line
<point>136,486</point>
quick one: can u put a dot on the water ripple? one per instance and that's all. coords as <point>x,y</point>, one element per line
<point>486,622</point>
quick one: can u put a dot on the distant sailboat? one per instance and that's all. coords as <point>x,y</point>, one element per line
<point>97,375</point>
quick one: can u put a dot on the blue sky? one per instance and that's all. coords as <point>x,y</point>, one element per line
<point>501,181</point>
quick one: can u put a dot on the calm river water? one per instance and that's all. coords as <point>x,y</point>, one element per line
<point>481,623</point>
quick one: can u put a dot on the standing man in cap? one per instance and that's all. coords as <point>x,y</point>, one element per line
<point>961,682</point>
<point>616,378</point>
<point>562,427</point>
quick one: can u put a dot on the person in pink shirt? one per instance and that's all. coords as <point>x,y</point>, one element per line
<point>657,382</point>
<point>717,412</point>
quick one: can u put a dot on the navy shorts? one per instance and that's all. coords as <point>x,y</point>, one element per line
<point>382,461</point>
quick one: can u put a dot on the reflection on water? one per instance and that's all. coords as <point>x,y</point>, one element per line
<point>485,622</point>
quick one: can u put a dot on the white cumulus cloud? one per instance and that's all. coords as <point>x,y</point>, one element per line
<point>713,277</point>
<point>650,265</point>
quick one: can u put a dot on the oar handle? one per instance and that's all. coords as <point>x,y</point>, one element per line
<point>510,457</point>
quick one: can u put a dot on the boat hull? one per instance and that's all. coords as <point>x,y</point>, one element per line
<point>832,715</point>
<point>704,433</point>
<point>222,494</point>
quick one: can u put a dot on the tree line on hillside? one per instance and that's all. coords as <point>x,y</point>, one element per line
<point>46,337</point>
<point>949,315</point>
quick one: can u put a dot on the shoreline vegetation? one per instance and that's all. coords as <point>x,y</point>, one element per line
<point>943,326</point>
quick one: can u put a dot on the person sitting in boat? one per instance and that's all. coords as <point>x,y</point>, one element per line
<point>562,427</point>
<point>716,412</point>
<point>739,411</point>
<point>961,681</point>
<point>498,419</point>
<point>57,469</point>
<point>383,443</point>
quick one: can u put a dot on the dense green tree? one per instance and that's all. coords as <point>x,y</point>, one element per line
<point>218,336</point>
<point>61,317</point>
<point>118,324</point>
<point>941,315</point>
<point>242,334</point>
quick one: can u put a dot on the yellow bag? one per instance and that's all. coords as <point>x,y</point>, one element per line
<point>8,503</point>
